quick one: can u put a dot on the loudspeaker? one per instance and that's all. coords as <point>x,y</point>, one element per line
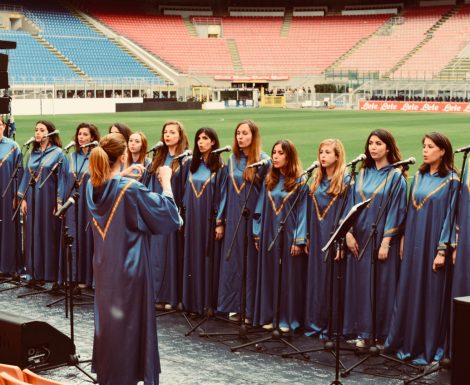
<point>33,344</point>
<point>460,341</point>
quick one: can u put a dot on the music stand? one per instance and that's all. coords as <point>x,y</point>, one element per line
<point>338,238</point>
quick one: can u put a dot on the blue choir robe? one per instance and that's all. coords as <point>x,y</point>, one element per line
<point>231,269</point>
<point>11,260</point>
<point>461,279</point>
<point>377,185</point>
<point>420,317</point>
<point>124,213</point>
<point>271,209</point>
<point>167,250</point>
<point>73,178</point>
<point>322,212</point>
<point>46,231</point>
<point>203,191</point>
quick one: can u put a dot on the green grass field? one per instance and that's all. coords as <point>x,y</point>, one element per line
<point>304,127</point>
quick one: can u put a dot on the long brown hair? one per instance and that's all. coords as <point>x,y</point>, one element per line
<point>337,181</point>
<point>123,128</point>
<point>102,158</point>
<point>443,143</point>
<point>393,153</point>
<point>143,149</point>
<point>292,169</point>
<point>183,144</point>
<point>54,139</point>
<point>254,151</point>
<point>94,133</point>
<point>213,162</point>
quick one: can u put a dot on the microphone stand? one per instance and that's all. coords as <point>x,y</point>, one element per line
<point>180,254</point>
<point>146,177</point>
<point>54,170</point>
<point>332,345</point>
<point>75,290</point>
<point>209,313</point>
<point>246,214</point>
<point>32,283</point>
<point>67,242</point>
<point>445,363</point>
<point>374,351</point>
<point>276,334</point>
<point>15,279</point>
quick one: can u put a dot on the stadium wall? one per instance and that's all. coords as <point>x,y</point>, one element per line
<point>68,106</point>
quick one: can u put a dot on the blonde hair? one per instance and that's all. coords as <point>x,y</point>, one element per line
<point>103,157</point>
<point>337,181</point>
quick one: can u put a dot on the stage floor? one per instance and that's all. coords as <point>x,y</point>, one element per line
<point>208,360</point>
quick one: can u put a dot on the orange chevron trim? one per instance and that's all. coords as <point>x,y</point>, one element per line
<point>7,156</point>
<point>113,211</point>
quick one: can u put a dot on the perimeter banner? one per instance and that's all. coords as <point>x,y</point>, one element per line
<point>372,105</point>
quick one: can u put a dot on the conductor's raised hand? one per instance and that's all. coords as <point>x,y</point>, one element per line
<point>133,171</point>
<point>164,177</point>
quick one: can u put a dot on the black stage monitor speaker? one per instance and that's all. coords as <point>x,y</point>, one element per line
<point>460,341</point>
<point>32,344</point>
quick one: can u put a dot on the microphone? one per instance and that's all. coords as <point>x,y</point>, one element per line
<point>91,144</point>
<point>262,162</point>
<point>410,160</point>
<point>30,140</point>
<point>55,132</point>
<point>70,202</point>
<point>312,167</point>
<point>222,149</point>
<point>360,158</point>
<point>183,154</point>
<point>69,146</point>
<point>462,149</point>
<point>156,147</point>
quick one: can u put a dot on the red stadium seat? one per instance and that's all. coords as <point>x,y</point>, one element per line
<point>8,379</point>
<point>12,370</point>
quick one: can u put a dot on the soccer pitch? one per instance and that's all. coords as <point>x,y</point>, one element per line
<point>306,128</point>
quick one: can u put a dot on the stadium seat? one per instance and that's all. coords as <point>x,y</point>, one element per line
<point>35,379</point>
<point>12,370</point>
<point>8,379</point>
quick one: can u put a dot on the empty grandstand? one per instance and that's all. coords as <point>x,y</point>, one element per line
<point>158,49</point>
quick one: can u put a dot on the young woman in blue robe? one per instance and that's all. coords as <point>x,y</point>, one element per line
<point>419,324</point>
<point>461,281</point>
<point>124,214</point>
<point>246,150</point>
<point>282,186</point>
<point>45,154</point>
<point>204,199</point>
<point>74,176</point>
<point>376,180</point>
<point>323,206</point>
<point>137,155</point>
<point>167,250</point>
<point>11,261</point>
